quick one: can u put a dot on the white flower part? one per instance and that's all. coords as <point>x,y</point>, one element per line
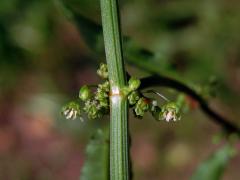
<point>70,114</point>
<point>66,112</point>
<point>74,115</point>
<point>170,116</point>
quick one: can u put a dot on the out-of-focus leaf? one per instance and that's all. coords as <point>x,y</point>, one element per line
<point>213,167</point>
<point>133,54</point>
<point>90,30</point>
<point>97,163</point>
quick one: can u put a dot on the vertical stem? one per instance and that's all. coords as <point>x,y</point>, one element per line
<point>119,163</point>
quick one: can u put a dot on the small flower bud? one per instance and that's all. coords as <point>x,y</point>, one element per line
<point>71,110</point>
<point>141,106</point>
<point>103,71</point>
<point>84,93</point>
<point>134,83</point>
<point>170,112</point>
<point>133,97</point>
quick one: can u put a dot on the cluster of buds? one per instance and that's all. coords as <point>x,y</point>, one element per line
<point>96,104</point>
<point>135,99</point>
<point>168,112</point>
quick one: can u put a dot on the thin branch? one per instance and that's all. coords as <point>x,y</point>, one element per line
<point>159,80</point>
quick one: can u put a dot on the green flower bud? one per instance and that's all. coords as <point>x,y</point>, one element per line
<point>134,83</point>
<point>84,93</point>
<point>170,112</point>
<point>141,106</point>
<point>103,71</point>
<point>71,110</point>
<point>133,97</point>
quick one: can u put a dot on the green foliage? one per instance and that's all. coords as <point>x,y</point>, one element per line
<point>213,168</point>
<point>96,165</point>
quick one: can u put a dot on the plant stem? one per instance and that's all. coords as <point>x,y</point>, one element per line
<point>119,151</point>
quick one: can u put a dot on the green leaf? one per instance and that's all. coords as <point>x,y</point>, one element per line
<point>97,163</point>
<point>133,54</point>
<point>213,168</point>
<point>90,30</point>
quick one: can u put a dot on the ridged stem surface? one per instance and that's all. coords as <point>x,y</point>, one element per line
<point>119,152</point>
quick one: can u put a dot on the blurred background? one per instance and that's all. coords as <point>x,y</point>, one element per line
<point>50,48</point>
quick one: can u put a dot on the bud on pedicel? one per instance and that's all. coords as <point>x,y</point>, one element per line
<point>133,97</point>
<point>103,71</point>
<point>170,112</point>
<point>84,93</point>
<point>134,83</point>
<point>141,106</point>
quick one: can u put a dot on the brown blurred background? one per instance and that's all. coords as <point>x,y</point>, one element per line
<point>46,56</point>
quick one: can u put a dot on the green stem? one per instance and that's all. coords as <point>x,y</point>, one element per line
<point>119,151</point>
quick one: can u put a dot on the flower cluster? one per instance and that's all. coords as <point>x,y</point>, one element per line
<point>141,104</point>
<point>96,104</point>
